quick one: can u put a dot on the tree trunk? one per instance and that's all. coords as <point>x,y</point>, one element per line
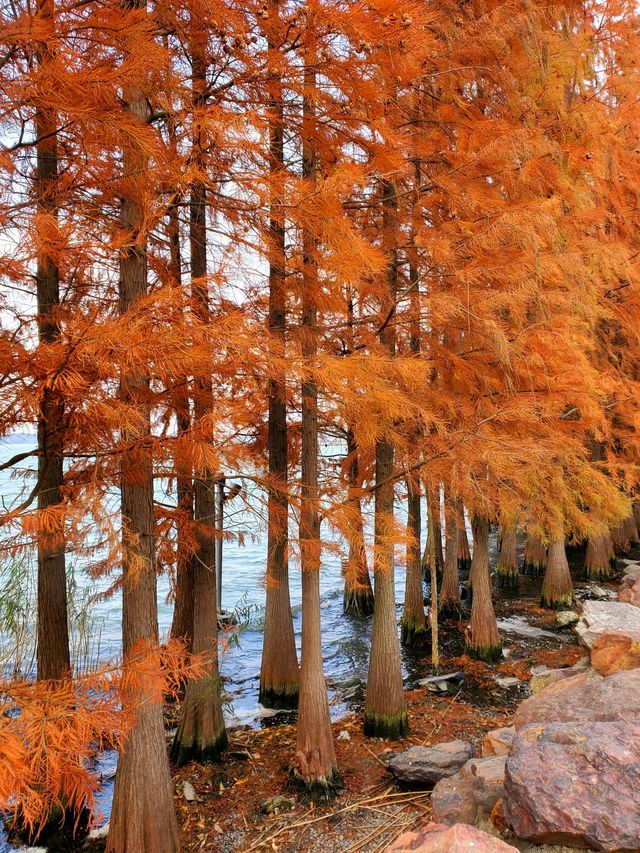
<point>508,563</point>
<point>599,557</point>
<point>636,513</point>
<point>630,529</point>
<point>450,603</point>
<point>384,711</point>
<point>53,659</point>
<point>358,592</point>
<point>201,735</point>
<point>413,625</point>
<point>143,817</point>
<point>464,553</point>
<point>433,549</point>
<point>279,675</point>
<point>482,635</point>
<point>182,622</point>
<point>316,768</point>
<point>557,589</point>
<point>535,556</point>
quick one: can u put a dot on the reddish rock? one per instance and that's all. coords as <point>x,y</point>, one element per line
<point>584,698</point>
<point>630,590</point>
<point>471,794</point>
<point>576,784</point>
<point>498,742</point>
<point>615,651</point>
<point>435,838</point>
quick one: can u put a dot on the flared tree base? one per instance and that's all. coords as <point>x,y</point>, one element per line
<point>557,601</point>
<point>533,570</point>
<point>507,580</point>
<point>358,602</point>
<point>316,791</point>
<point>386,726</point>
<point>186,750</point>
<point>599,573</point>
<point>486,653</point>
<point>413,633</point>
<point>280,698</point>
<point>451,610</point>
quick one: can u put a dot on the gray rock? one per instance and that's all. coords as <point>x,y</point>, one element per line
<point>576,784</point>
<point>471,794</point>
<point>188,791</point>
<point>508,681</point>
<point>566,617</point>
<point>426,765</point>
<point>600,616</point>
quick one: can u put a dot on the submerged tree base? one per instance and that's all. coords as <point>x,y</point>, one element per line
<point>358,602</point>
<point>486,653</point>
<point>413,633</point>
<point>184,751</point>
<point>599,573</point>
<point>507,580</point>
<point>533,570</point>
<point>316,791</point>
<point>386,726</point>
<point>279,698</point>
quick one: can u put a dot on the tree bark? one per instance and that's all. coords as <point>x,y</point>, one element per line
<point>385,711</point>
<point>599,557</point>
<point>433,548</point>
<point>557,588</point>
<point>482,635</point>
<point>413,625</point>
<point>450,603</point>
<point>535,556</point>
<point>508,563</point>
<point>316,768</point>
<point>53,659</point>
<point>279,675</point>
<point>201,734</point>
<point>143,818</point>
<point>358,592</point>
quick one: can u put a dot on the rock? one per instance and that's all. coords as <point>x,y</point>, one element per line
<point>615,651</point>
<point>508,681</point>
<point>99,833</point>
<point>577,784</point>
<point>471,794</point>
<point>630,590</point>
<point>498,742</point>
<point>275,804</point>
<point>584,698</point>
<point>426,765</point>
<point>188,791</point>
<point>601,616</point>
<point>343,735</point>
<point>435,838</point>
<point>541,677</point>
<point>441,683</point>
<point>564,618</point>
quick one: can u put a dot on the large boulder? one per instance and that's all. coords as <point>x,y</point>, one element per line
<point>615,651</point>
<point>423,766</point>
<point>576,784</point>
<point>587,697</point>
<point>471,794</point>
<point>600,616</point>
<point>498,742</point>
<point>435,838</point>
